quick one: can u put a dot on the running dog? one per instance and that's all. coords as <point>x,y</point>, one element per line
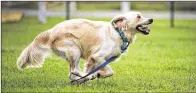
<point>94,41</point>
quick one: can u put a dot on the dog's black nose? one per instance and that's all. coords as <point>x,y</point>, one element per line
<point>150,20</point>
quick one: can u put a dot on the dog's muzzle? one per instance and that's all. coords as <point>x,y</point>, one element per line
<point>143,27</point>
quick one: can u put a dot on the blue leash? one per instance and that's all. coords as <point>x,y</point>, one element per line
<point>123,48</point>
<point>99,67</point>
<point>102,65</point>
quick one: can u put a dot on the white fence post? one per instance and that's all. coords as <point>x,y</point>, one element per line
<point>125,6</point>
<point>73,6</point>
<point>42,12</point>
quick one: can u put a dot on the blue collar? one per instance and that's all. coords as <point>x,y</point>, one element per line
<point>124,39</point>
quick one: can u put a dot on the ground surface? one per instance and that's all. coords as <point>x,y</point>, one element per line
<point>163,61</point>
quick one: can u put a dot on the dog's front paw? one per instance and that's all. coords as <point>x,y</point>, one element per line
<point>74,76</point>
<point>92,77</point>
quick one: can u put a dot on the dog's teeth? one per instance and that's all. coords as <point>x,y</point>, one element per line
<point>145,25</point>
<point>140,28</point>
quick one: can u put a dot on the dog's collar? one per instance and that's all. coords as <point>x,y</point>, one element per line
<point>124,39</point>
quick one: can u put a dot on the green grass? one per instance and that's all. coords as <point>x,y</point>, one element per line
<point>164,61</point>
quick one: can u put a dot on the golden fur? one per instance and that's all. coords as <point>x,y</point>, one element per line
<point>94,41</point>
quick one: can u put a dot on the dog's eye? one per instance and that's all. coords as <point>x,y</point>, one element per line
<point>138,16</point>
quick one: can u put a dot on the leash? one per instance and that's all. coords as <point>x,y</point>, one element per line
<point>123,48</point>
<point>96,69</point>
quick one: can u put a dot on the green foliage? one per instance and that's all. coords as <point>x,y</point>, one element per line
<point>163,61</point>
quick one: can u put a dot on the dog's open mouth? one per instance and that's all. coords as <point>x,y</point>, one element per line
<point>143,28</point>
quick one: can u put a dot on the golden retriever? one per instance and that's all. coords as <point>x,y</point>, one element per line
<point>94,41</point>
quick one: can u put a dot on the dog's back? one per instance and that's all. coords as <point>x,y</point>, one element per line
<point>84,33</point>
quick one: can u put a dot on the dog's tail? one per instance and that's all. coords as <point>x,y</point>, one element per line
<point>34,55</point>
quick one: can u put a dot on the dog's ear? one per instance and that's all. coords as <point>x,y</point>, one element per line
<point>120,22</point>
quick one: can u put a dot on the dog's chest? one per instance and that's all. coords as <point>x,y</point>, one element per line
<point>110,48</point>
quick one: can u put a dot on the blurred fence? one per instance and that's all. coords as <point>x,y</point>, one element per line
<point>183,10</point>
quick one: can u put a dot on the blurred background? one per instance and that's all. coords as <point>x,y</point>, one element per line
<point>163,61</point>
<point>157,10</point>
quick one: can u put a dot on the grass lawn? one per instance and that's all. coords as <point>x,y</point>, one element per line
<point>164,61</point>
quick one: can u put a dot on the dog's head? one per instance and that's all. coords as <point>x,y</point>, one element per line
<point>132,21</point>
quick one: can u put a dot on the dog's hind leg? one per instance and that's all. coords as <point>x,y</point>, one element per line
<point>70,51</point>
<point>73,57</point>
